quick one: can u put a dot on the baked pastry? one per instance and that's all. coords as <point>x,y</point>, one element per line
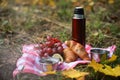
<point>78,49</point>
<point>69,55</point>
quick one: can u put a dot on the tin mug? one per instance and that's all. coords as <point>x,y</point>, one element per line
<point>48,64</point>
<point>98,53</point>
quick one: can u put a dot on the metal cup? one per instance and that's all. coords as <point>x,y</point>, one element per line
<point>48,64</point>
<point>97,54</point>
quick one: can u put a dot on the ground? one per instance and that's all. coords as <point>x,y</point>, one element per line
<point>11,43</point>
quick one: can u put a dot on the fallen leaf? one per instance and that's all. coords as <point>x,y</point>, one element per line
<point>111,1</point>
<point>113,58</point>
<point>77,74</point>
<point>96,66</point>
<point>105,69</point>
<point>81,78</point>
<point>50,72</point>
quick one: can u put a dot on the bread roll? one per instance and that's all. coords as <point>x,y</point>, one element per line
<point>78,49</point>
<point>69,55</point>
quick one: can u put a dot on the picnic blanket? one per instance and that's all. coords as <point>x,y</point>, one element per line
<point>29,62</point>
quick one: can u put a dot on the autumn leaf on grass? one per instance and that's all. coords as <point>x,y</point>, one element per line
<point>3,4</point>
<point>81,78</point>
<point>117,70</point>
<point>77,74</point>
<point>52,3</point>
<point>105,69</point>
<point>111,1</point>
<point>50,72</point>
<point>34,2</point>
<point>113,58</point>
<point>96,66</point>
<point>111,71</point>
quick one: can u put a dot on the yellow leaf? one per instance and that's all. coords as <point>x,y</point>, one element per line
<point>88,8</point>
<point>4,3</point>
<point>96,66</point>
<point>113,58</point>
<point>52,3</point>
<point>77,74</point>
<point>40,2</point>
<point>81,78</point>
<point>91,3</point>
<point>34,2</point>
<point>116,70</point>
<point>50,72</point>
<point>111,1</point>
<point>107,70</point>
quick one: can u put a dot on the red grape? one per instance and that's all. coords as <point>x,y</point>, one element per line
<point>55,40</point>
<point>49,38</point>
<point>46,55</point>
<point>49,50</point>
<point>60,49</point>
<point>48,44</point>
<point>54,50</point>
<point>44,49</point>
<point>42,46</point>
<point>40,51</point>
<point>41,54</point>
<point>58,44</point>
<point>51,46</point>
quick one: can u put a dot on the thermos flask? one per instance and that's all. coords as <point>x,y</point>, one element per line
<point>78,26</point>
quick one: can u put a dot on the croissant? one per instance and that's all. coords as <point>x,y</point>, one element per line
<point>78,49</point>
<point>69,55</point>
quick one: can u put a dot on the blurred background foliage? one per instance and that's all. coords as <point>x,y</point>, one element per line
<point>102,16</point>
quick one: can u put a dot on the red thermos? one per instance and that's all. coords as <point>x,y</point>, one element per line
<point>78,26</point>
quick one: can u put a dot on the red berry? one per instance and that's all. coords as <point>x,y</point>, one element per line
<point>44,49</point>
<point>57,44</point>
<point>46,55</point>
<point>42,46</point>
<point>54,50</point>
<point>41,54</point>
<point>49,38</point>
<point>60,49</point>
<point>49,50</point>
<point>48,44</point>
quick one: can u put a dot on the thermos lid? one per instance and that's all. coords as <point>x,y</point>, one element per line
<point>79,10</point>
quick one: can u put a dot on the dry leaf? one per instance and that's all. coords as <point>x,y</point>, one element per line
<point>113,58</point>
<point>96,66</point>
<point>81,78</point>
<point>107,70</point>
<point>40,2</point>
<point>52,3</point>
<point>77,74</point>
<point>34,2</point>
<point>111,1</point>
<point>4,3</point>
<point>50,72</point>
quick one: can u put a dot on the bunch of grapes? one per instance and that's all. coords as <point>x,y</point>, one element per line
<point>50,46</point>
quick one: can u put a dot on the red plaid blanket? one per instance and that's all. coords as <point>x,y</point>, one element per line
<point>29,61</point>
